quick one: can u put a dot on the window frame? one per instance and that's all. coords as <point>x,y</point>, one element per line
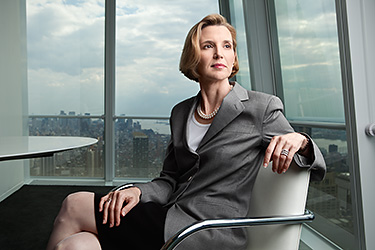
<point>265,71</point>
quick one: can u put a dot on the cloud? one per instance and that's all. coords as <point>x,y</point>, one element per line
<point>66,55</point>
<point>50,92</point>
<point>310,62</point>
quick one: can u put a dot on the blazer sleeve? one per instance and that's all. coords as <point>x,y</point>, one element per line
<point>275,123</point>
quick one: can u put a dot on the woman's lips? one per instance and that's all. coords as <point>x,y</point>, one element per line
<point>219,66</point>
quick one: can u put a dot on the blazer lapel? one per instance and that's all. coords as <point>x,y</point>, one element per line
<point>230,108</point>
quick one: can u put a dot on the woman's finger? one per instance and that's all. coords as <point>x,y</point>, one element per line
<point>131,199</point>
<point>116,209</point>
<point>277,157</point>
<point>111,208</point>
<point>106,208</point>
<point>102,201</point>
<point>129,206</point>
<point>287,162</point>
<point>269,152</point>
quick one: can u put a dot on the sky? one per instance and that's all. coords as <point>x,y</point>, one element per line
<point>66,56</point>
<point>309,56</point>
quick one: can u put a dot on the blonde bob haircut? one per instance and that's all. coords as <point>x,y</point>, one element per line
<point>190,56</point>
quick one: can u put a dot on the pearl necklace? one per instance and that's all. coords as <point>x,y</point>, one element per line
<point>211,115</point>
<point>203,115</point>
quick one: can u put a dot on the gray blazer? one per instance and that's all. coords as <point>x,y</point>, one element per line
<point>216,180</point>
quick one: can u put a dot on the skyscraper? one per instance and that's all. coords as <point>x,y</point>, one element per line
<point>140,150</point>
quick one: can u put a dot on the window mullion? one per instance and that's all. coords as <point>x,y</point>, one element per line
<point>110,36</point>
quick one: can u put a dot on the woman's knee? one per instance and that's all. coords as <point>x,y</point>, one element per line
<point>73,207</point>
<point>79,241</point>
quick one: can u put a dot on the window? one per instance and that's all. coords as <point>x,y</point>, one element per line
<point>65,57</point>
<point>237,20</point>
<point>65,43</point>
<point>149,41</point>
<point>312,87</point>
<point>294,52</point>
<point>310,63</point>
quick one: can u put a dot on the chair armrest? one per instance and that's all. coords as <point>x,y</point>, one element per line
<point>308,216</point>
<point>122,187</point>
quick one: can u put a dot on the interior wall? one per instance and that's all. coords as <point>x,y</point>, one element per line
<point>13,87</point>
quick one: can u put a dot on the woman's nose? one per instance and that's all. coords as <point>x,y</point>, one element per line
<point>218,54</point>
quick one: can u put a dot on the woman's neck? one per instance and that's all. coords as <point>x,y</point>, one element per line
<point>212,95</point>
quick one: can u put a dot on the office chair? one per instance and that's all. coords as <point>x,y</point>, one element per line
<point>276,213</point>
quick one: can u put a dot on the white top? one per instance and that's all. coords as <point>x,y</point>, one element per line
<point>195,132</point>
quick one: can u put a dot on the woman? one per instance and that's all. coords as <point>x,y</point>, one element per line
<point>219,139</point>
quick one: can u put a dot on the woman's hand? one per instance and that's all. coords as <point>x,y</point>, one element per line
<point>282,149</point>
<point>113,207</point>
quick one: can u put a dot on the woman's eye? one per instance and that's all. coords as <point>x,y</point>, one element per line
<point>227,46</point>
<point>207,46</point>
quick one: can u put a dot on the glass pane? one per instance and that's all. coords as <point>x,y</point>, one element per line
<point>65,43</point>
<point>310,64</point>
<point>311,76</point>
<point>237,20</point>
<point>330,199</point>
<point>149,39</point>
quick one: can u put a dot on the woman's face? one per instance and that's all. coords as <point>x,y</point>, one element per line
<point>217,53</point>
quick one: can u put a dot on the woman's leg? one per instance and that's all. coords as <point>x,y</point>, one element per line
<point>77,215</point>
<point>81,241</point>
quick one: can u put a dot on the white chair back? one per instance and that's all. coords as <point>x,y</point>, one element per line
<point>278,195</point>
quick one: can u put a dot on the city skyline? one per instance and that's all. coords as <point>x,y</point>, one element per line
<point>139,150</point>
